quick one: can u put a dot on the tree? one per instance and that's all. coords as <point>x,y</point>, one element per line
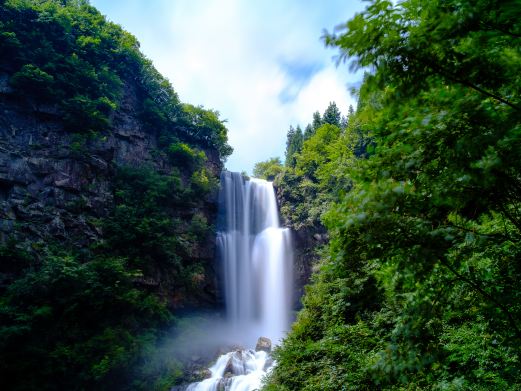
<point>268,169</point>
<point>308,131</point>
<point>424,254</point>
<point>294,142</point>
<point>317,150</point>
<point>32,81</point>
<point>317,120</point>
<point>205,125</point>
<point>350,111</point>
<point>332,115</point>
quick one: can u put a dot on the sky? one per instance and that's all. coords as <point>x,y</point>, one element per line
<point>261,64</point>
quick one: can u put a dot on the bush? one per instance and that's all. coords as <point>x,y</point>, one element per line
<point>31,81</point>
<point>182,155</point>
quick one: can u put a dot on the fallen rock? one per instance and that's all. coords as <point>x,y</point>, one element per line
<point>263,344</point>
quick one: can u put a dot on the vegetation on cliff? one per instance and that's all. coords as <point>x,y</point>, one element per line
<point>420,286</point>
<point>89,318</point>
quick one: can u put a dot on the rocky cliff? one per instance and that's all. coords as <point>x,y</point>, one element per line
<point>108,187</point>
<point>307,240</point>
<point>56,186</point>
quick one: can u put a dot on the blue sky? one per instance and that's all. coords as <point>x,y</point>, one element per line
<point>261,64</point>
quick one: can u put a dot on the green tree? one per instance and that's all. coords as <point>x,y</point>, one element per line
<point>317,120</point>
<point>90,318</point>
<point>69,315</point>
<point>268,169</point>
<point>317,150</point>
<point>33,81</point>
<point>420,286</point>
<point>308,131</point>
<point>206,125</point>
<point>332,115</point>
<point>294,142</point>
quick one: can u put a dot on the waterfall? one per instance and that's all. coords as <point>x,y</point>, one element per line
<point>257,257</point>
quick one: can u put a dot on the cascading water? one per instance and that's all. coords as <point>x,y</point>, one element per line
<point>241,370</point>
<point>257,259</point>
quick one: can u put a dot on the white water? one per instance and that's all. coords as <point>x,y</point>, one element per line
<point>257,259</point>
<point>241,370</point>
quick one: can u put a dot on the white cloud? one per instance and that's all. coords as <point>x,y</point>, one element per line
<point>260,64</point>
<point>326,86</point>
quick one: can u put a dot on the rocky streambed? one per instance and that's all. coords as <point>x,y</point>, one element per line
<point>238,370</point>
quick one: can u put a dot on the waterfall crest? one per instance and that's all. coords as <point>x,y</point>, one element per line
<point>257,257</point>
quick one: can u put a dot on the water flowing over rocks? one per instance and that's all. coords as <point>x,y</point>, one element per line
<point>239,370</point>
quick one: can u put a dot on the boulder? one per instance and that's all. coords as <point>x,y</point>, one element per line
<point>263,344</point>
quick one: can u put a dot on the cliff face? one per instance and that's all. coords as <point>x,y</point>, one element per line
<point>56,185</point>
<point>307,239</point>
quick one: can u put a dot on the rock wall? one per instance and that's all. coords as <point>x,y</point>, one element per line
<point>306,240</point>
<point>55,185</point>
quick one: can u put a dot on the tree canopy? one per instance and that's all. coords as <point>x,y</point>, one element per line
<point>268,169</point>
<point>420,287</point>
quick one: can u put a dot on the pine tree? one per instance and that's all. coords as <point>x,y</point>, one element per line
<point>317,120</point>
<point>332,115</point>
<point>308,131</point>
<point>294,142</point>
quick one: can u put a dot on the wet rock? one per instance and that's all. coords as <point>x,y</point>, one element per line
<point>263,344</point>
<point>235,365</point>
<point>223,383</point>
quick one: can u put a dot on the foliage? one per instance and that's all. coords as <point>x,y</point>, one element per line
<point>332,115</point>
<point>183,155</point>
<point>420,288</point>
<point>32,79</point>
<point>68,315</point>
<point>66,54</point>
<point>92,318</point>
<point>317,121</point>
<point>294,142</point>
<point>143,226</point>
<point>206,126</point>
<point>296,138</point>
<point>269,169</point>
<point>317,173</point>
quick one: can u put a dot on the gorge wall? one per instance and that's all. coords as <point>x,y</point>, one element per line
<point>307,239</point>
<point>56,186</point>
